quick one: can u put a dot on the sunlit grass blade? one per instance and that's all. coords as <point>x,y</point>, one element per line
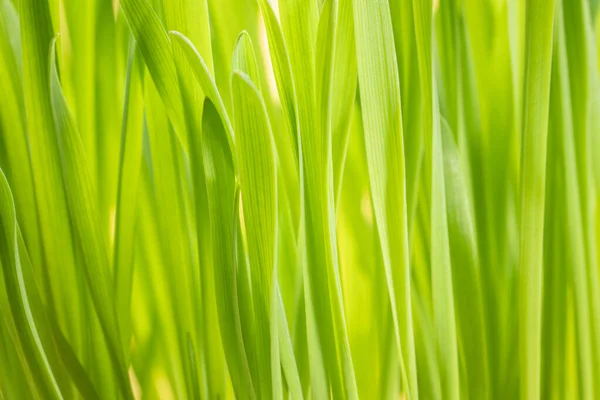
<point>382,115</point>
<point>562,126</point>
<point>13,134</point>
<point>222,194</point>
<point>300,24</point>
<point>442,290</point>
<point>538,61</point>
<point>20,305</point>
<point>86,225</point>
<point>258,187</point>
<point>55,232</point>
<point>129,175</point>
<point>468,294</point>
<point>204,77</point>
<point>281,68</point>
<point>155,46</point>
<point>343,91</point>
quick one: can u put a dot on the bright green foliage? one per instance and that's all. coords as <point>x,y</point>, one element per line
<point>258,199</point>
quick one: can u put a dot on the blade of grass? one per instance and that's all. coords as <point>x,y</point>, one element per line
<point>538,54</point>
<point>86,225</point>
<point>255,152</point>
<point>470,312</point>
<point>562,118</point>
<point>441,268</point>
<point>222,194</point>
<point>129,174</point>
<point>12,126</point>
<point>300,25</point>
<point>20,305</point>
<point>56,239</point>
<point>382,115</point>
<point>155,46</point>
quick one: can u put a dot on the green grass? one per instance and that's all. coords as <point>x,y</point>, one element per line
<point>258,199</point>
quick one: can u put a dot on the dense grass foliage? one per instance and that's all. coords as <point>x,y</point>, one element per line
<point>257,199</point>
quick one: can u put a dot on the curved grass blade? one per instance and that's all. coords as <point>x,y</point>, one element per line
<point>13,135</point>
<point>205,79</point>
<point>562,119</point>
<point>155,46</point>
<point>471,318</point>
<point>343,91</point>
<point>244,59</point>
<point>129,174</point>
<point>54,224</point>
<point>221,188</point>
<point>441,268</point>
<point>82,206</point>
<point>538,61</point>
<point>288,359</point>
<point>382,116</point>
<point>18,297</point>
<point>255,152</point>
<point>281,69</point>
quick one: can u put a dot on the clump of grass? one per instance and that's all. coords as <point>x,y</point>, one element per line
<point>299,199</point>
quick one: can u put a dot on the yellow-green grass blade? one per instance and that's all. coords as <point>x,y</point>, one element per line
<point>36,34</point>
<point>322,288</point>
<point>205,79</point>
<point>13,135</point>
<point>127,198</point>
<point>86,225</point>
<point>441,268</point>
<point>202,74</point>
<point>255,152</point>
<point>173,223</point>
<point>408,70</point>
<point>244,60</point>
<point>155,46</point>
<point>40,345</point>
<point>79,66</point>
<point>468,293</point>
<point>110,49</point>
<point>343,90</point>
<point>18,297</point>
<point>382,116</point>
<point>581,56</point>
<point>191,18</point>
<point>258,352</point>
<point>555,365</point>
<point>221,188</point>
<point>150,290</point>
<point>288,359</point>
<point>282,69</point>
<point>538,54</point>
<point>563,127</point>
<point>227,19</point>
<point>18,380</point>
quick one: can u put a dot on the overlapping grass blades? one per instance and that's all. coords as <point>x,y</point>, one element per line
<point>299,199</point>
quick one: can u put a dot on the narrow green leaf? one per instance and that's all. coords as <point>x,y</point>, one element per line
<point>538,61</point>
<point>18,295</point>
<point>562,120</point>
<point>155,46</point>
<point>280,59</point>
<point>382,116</point>
<point>468,291</point>
<point>441,268</point>
<point>205,79</point>
<point>86,225</point>
<point>129,174</point>
<point>220,180</point>
<point>255,152</point>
